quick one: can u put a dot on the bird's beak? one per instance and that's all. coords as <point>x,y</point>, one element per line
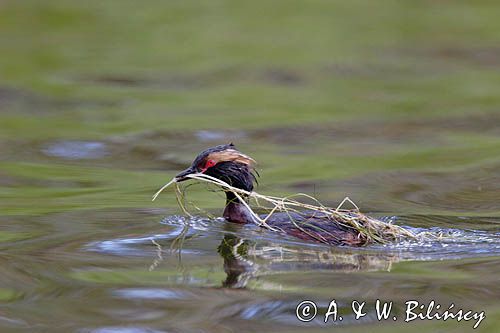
<point>179,178</point>
<point>182,176</point>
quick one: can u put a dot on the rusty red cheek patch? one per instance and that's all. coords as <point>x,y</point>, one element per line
<point>209,164</point>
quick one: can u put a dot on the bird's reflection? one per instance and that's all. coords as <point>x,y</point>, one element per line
<point>239,269</point>
<point>245,260</point>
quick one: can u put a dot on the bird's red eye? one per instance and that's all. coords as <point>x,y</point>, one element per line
<point>209,164</point>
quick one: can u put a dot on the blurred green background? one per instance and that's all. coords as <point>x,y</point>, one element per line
<point>230,64</point>
<point>397,85</point>
<point>393,103</point>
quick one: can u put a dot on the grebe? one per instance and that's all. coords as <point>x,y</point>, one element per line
<point>226,163</point>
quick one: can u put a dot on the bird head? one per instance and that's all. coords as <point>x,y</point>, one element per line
<point>226,163</point>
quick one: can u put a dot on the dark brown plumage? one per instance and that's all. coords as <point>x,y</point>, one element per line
<point>226,163</point>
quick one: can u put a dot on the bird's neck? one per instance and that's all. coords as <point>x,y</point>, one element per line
<point>236,211</point>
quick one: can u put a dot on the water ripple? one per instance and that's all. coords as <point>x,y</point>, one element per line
<point>450,244</point>
<point>444,243</point>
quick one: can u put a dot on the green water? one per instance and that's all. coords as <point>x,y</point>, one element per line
<point>394,104</point>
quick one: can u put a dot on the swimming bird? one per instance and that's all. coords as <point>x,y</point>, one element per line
<point>226,163</point>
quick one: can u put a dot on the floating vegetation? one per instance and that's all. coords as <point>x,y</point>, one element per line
<point>368,229</point>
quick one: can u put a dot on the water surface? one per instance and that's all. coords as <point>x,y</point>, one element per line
<point>395,105</point>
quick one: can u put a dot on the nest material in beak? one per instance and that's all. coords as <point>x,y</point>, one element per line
<point>182,176</point>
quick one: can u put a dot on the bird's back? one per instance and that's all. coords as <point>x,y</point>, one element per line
<point>316,227</point>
